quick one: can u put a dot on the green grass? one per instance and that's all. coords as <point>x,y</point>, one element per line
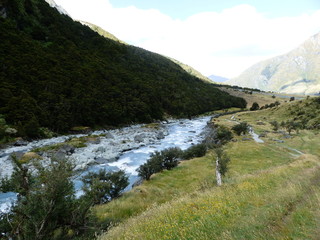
<point>269,192</point>
<point>161,188</point>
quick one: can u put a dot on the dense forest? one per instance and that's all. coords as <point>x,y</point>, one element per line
<point>57,73</point>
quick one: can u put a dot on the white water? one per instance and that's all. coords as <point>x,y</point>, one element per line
<point>182,133</point>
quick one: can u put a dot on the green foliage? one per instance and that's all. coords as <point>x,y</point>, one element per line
<point>241,128</point>
<point>223,160</point>
<point>158,161</point>
<point>56,73</point>
<point>46,207</point>
<point>255,106</point>
<point>275,125</point>
<point>291,125</point>
<point>195,151</point>
<point>170,157</point>
<point>46,203</point>
<point>102,187</point>
<point>224,135</point>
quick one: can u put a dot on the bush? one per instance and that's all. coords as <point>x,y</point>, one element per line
<point>224,134</point>
<point>170,157</point>
<point>223,161</point>
<point>275,125</point>
<point>255,106</point>
<point>153,165</point>
<point>240,128</point>
<point>101,187</point>
<point>158,161</point>
<point>46,207</point>
<point>194,151</point>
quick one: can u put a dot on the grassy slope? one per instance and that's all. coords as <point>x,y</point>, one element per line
<point>270,192</point>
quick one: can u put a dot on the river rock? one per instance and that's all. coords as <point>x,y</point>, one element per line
<point>140,137</point>
<point>59,155</point>
<point>100,149</point>
<point>20,142</point>
<point>67,149</point>
<point>246,139</point>
<point>109,135</point>
<point>160,135</point>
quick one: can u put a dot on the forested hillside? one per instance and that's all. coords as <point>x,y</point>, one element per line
<point>57,73</point>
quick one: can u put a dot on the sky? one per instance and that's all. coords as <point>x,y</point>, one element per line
<point>219,37</point>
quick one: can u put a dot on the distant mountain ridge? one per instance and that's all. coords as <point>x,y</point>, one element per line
<point>297,72</point>
<point>219,79</point>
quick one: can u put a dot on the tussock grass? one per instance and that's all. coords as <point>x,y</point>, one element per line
<point>189,176</point>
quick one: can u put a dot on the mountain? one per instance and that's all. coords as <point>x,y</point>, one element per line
<point>185,67</point>
<point>60,9</point>
<point>297,72</point>
<point>102,32</point>
<point>216,78</point>
<point>58,74</point>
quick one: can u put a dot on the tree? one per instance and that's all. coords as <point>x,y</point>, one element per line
<point>240,128</point>
<point>103,186</point>
<point>46,207</point>
<point>255,106</point>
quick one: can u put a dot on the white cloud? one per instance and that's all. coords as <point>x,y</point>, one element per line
<point>223,43</point>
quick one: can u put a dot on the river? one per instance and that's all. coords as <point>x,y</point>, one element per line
<point>120,145</point>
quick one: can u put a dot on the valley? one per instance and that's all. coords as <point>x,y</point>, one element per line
<point>100,139</point>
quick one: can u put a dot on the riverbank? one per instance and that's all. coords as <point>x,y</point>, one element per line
<point>120,149</point>
<point>269,192</point>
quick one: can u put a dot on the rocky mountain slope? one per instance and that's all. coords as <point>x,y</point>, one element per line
<point>297,72</point>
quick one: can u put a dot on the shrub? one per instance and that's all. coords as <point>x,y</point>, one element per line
<point>223,161</point>
<point>46,207</point>
<point>158,161</point>
<point>194,151</point>
<point>255,106</point>
<point>153,165</point>
<point>170,157</point>
<point>240,128</point>
<point>224,134</point>
<point>275,125</point>
<point>101,187</point>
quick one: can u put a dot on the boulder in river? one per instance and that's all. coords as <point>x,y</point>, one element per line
<point>109,135</point>
<point>67,149</point>
<point>20,142</point>
<point>140,137</point>
<point>160,135</point>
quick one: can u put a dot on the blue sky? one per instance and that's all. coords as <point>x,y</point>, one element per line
<point>220,37</point>
<point>184,8</point>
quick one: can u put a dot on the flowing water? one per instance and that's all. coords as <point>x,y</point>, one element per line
<point>180,133</point>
